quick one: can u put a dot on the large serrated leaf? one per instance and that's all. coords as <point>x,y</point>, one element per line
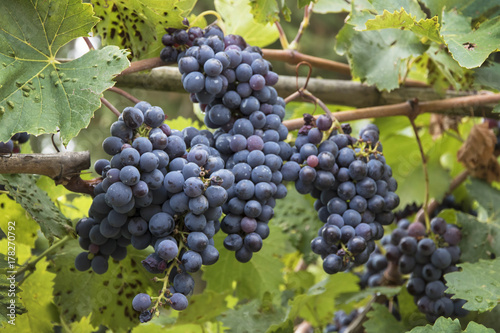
<point>250,317</point>
<point>486,196</point>
<point>356,296</point>
<point>469,47</point>
<point>318,303</point>
<point>331,6</point>
<point>36,202</point>
<point>139,24</point>
<point>488,76</point>
<point>268,11</point>
<point>253,279</point>
<point>448,325</point>
<point>299,220</point>
<point>38,94</point>
<point>381,320</point>
<point>477,283</point>
<point>255,33</point>
<point>424,28</point>
<point>22,225</point>
<point>203,307</point>
<point>107,297</point>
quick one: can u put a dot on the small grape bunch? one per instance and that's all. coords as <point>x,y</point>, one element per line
<point>427,257</point>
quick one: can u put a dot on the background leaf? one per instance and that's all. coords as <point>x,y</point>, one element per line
<point>35,201</point>
<point>40,95</point>
<point>481,291</point>
<point>255,32</point>
<point>138,25</point>
<point>470,48</point>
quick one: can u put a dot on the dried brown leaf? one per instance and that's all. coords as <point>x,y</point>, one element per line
<point>440,123</point>
<point>477,153</point>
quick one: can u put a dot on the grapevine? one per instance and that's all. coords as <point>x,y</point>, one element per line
<point>247,195</point>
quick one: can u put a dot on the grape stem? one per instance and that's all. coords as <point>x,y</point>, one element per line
<point>303,25</point>
<point>206,13</point>
<point>89,43</point>
<point>163,289</point>
<point>405,109</point>
<point>125,94</point>
<point>434,204</point>
<point>282,36</point>
<point>31,266</point>
<point>424,165</point>
<point>110,106</point>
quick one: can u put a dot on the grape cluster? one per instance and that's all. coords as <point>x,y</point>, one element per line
<point>373,274</point>
<point>427,257</point>
<point>163,188</point>
<point>12,146</point>
<point>341,321</point>
<point>233,84</point>
<point>353,187</point>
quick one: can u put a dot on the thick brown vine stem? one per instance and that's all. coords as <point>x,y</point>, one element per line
<point>434,204</point>
<point>454,106</point>
<point>125,94</point>
<point>64,168</point>
<point>294,57</point>
<point>110,106</point>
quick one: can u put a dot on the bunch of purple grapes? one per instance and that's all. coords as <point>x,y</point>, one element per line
<point>427,257</point>
<point>233,84</point>
<point>354,189</point>
<point>341,321</point>
<point>12,146</point>
<point>165,189</point>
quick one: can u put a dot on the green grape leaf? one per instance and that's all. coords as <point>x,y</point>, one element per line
<point>203,307</point>
<point>331,6</point>
<point>381,320</point>
<point>284,327</point>
<point>36,202</point>
<point>22,225</point>
<point>465,7</point>
<point>365,10</point>
<point>448,325</point>
<point>488,76</point>
<point>470,48</point>
<point>477,283</point>
<point>82,326</point>
<point>260,275</point>
<point>478,236</point>
<point>403,156</point>
<point>380,57</point>
<point>38,94</point>
<point>357,296</point>
<point>107,297</point>
<point>251,317</point>
<point>255,33</point>
<point>36,296</point>
<point>10,303</point>
<point>268,11</point>
<point>317,304</point>
<point>139,24</point>
<point>299,221</point>
<point>410,314</point>
<point>444,70</point>
<point>486,196</point>
<point>424,28</point>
